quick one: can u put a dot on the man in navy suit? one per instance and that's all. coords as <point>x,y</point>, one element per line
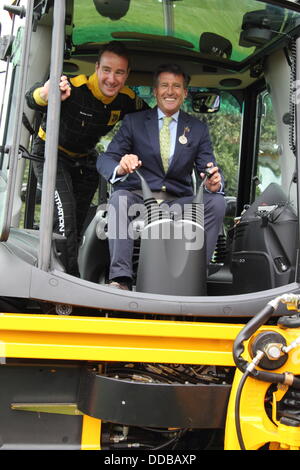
<point>137,144</point>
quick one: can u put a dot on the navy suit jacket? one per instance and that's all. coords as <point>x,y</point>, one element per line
<point>139,134</point>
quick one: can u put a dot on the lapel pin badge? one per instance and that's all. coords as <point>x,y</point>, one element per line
<point>183,139</point>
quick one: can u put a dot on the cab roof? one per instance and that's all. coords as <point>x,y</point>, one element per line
<point>230,32</point>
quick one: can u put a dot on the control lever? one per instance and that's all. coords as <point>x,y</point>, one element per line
<point>147,193</point>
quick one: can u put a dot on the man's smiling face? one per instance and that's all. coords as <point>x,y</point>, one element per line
<point>170,92</point>
<point>112,72</point>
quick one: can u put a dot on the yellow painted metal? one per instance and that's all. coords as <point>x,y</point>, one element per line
<point>112,339</point>
<point>259,429</point>
<point>105,339</point>
<point>91,433</point>
<point>52,408</point>
<point>91,427</point>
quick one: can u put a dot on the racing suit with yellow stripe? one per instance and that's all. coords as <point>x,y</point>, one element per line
<point>85,116</point>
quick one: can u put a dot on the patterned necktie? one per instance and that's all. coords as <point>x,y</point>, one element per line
<point>165,142</point>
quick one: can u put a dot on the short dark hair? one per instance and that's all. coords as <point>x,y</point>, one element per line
<point>171,68</point>
<point>117,47</point>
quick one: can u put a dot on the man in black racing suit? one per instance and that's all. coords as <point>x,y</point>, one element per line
<point>90,108</point>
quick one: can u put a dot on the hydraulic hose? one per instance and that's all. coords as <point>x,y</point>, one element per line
<point>249,369</point>
<point>251,327</point>
<point>237,413</point>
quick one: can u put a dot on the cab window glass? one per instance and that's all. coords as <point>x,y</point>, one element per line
<point>268,168</point>
<point>225,130</point>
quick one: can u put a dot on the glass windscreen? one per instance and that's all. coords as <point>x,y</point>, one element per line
<point>231,29</point>
<point>12,79</point>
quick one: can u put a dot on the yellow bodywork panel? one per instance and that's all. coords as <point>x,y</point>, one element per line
<point>91,433</point>
<point>106,339</point>
<point>162,341</point>
<point>259,429</point>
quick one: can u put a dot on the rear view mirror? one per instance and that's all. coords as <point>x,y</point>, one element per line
<point>113,9</point>
<point>205,102</point>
